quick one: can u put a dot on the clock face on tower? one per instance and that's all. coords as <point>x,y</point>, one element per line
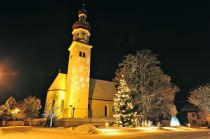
<point>81,37</point>
<point>84,37</point>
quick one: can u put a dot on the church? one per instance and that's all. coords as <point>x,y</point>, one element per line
<point>74,94</point>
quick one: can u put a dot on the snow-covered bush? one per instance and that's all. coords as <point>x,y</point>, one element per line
<point>87,129</point>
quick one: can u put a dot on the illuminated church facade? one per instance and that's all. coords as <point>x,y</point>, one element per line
<point>75,94</point>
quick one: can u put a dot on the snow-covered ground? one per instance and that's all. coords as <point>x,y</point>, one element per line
<point>106,133</point>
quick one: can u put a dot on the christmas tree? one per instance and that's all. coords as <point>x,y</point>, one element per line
<point>123,106</point>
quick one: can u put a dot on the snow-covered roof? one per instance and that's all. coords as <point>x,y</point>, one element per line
<point>188,108</point>
<point>101,90</point>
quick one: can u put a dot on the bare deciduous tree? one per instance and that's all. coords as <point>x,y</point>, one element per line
<point>201,97</point>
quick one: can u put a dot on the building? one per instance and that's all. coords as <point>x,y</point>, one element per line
<point>192,115</point>
<point>196,120</point>
<point>75,94</point>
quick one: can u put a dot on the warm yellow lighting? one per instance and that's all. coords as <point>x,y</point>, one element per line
<point>78,78</point>
<point>58,96</point>
<point>110,131</point>
<point>15,111</point>
<point>148,129</point>
<point>69,93</point>
<point>178,129</point>
<point>107,125</point>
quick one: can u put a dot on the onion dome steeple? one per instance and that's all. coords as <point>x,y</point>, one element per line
<point>81,28</point>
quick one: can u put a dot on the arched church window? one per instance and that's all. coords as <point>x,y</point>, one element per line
<point>105,111</point>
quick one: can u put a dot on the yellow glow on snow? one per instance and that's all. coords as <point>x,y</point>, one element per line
<point>178,129</point>
<point>148,129</point>
<point>108,131</point>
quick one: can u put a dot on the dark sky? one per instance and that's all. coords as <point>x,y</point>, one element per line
<point>35,36</point>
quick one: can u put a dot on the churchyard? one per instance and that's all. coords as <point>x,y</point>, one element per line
<point>27,132</point>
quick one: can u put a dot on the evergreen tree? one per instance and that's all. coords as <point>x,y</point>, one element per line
<point>32,105</point>
<point>6,110</point>
<point>123,106</point>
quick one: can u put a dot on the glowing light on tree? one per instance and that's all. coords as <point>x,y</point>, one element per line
<point>123,106</point>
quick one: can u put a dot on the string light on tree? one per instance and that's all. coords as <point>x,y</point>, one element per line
<point>123,105</point>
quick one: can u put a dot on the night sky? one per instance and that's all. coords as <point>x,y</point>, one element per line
<point>35,36</point>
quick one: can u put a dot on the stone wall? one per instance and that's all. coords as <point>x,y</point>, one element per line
<point>60,122</point>
<point>35,122</point>
<point>76,122</point>
<point>13,123</point>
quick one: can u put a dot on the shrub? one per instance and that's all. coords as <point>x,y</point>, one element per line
<point>87,129</point>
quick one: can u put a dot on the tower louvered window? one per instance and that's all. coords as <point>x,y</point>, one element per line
<point>82,54</point>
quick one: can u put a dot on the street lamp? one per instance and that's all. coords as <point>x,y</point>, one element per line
<point>72,111</point>
<point>107,125</point>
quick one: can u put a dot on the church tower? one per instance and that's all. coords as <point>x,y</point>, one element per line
<point>78,76</point>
